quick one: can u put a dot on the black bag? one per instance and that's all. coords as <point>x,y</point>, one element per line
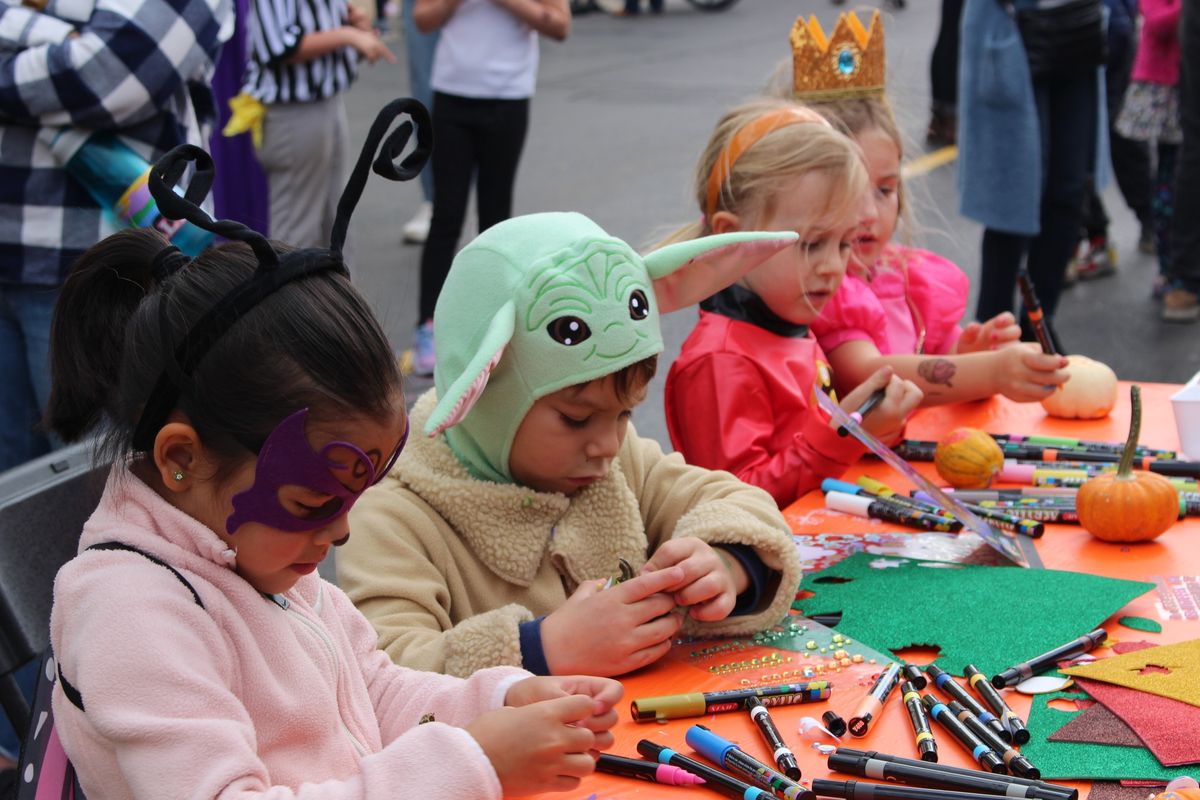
<point>1063,36</point>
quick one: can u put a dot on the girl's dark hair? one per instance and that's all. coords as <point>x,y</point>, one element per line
<point>312,343</point>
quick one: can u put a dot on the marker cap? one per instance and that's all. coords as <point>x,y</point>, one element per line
<point>834,485</point>
<point>848,503</point>
<point>835,724</point>
<point>649,709</point>
<point>1012,472</point>
<point>708,744</point>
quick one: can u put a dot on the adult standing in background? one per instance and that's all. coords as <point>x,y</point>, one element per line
<point>1027,142</point>
<point>1181,303</point>
<point>484,72</point>
<point>303,55</point>
<point>139,69</point>
<point>420,48</point>
<point>943,77</point>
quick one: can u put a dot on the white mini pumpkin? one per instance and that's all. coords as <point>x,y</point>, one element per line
<point>1090,393</point>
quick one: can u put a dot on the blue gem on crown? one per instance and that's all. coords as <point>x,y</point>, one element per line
<point>847,63</point>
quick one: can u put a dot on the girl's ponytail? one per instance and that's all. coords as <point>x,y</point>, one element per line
<point>87,335</point>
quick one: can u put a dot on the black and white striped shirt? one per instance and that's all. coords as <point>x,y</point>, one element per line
<point>276,28</point>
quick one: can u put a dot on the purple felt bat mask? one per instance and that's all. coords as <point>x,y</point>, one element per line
<point>287,459</point>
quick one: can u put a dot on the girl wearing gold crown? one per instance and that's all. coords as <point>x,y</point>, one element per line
<point>900,306</point>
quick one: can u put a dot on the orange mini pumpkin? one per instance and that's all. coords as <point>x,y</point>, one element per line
<point>968,458</point>
<point>1128,506</point>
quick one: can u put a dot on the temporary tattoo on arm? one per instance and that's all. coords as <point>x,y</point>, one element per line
<point>937,370</point>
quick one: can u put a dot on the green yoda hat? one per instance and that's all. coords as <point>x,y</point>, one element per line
<point>545,301</point>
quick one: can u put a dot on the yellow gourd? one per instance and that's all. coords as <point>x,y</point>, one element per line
<point>968,458</point>
<point>1128,506</point>
<point>1090,393</point>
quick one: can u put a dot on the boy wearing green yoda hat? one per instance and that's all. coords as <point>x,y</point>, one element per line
<point>523,487</point>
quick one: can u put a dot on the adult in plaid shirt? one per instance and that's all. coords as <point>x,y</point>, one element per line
<point>137,68</point>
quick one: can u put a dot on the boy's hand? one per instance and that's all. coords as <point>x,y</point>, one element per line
<point>886,420</point>
<point>711,580</point>
<point>999,331</point>
<point>604,692</point>
<point>538,747</point>
<point>612,631</point>
<point>1026,374</point>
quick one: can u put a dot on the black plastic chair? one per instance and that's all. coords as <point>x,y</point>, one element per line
<point>43,505</point>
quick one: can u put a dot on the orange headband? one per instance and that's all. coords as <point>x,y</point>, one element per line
<point>745,138</point>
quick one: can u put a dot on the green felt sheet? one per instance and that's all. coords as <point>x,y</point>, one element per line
<point>1075,760</point>
<point>1141,624</point>
<point>993,617</point>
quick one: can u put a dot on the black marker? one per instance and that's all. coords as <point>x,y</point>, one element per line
<point>1014,675</point>
<point>945,681</point>
<point>1015,725</point>
<point>1065,792</point>
<point>858,790</point>
<point>1033,310</point>
<point>1016,763</point>
<point>939,777</point>
<point>784,757</point>
<point>713,778</point>
<point>646,770</point>
<point>913,674</point>
<point>926,744</point>
<point>986,757</point>
<point>857,415</point>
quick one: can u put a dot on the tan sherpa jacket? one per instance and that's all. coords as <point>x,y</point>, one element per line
<point>446,566</point>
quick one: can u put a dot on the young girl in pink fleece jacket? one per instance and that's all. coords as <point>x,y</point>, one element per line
<point>211,661</point>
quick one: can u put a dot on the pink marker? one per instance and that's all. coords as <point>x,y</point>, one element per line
<point>646,770</point>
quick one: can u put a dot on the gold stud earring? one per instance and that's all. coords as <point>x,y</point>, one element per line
<point>177,475</point>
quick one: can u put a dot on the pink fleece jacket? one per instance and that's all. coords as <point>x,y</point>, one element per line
<point>248,697</point>
<point>1157,59</point>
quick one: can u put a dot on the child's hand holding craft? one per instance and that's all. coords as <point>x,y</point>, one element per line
<point>611,631</point>
<point>605,693</point>
<point>901,398</point>
<point>1026,374</point>
<point>711,580</point>
<point>538,747</point>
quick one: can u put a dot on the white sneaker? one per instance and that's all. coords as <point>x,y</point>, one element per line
<point>417,229</point>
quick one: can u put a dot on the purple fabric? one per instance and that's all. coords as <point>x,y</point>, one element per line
<point>287,459</point>
<point>240,187</point>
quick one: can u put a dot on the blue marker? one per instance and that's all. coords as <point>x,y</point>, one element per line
<point>724,752</point>
<point>986,757</point>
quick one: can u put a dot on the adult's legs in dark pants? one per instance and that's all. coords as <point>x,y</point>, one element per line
<point>1001,258</point>
<point>1185,230</point>
<point>943,73</point>
<point>1130,158</point>
<point>498,153</point>
<point>1067,106</point>
<point>454,161</point>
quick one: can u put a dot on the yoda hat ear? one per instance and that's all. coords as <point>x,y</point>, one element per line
<point>687,272</point>
<point>462,394</point>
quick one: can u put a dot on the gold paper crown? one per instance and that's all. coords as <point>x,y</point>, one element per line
<point>850,63</point>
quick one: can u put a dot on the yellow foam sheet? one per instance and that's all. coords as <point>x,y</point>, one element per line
<point>1170,670</point>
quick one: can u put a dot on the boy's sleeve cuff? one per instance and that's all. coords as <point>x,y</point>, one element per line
<point>533,658</point>
<point>749,600</point>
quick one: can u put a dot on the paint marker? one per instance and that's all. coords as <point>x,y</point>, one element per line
<point>1042,493</point>
<point>912,673</point>
<point>1060,513</point>
<point>1014,762</point>
<point>646,770</point>
<point>1083,444</point>
<point>784,758</point>
<point>878,508</point>
<point>713,778</point>
<point>1001,519</point>
<point>859,790</point>
<point>945,681</point>
<point>1064,792</point>
<point>697,704</point>
<point>923,736</point>
<point>857,415</point>
<point>1033,310</point>
<point>1009,718</point>
<point>938,777</point>
<point>872,704</point>
<point>1027,669</point>
<point>880,489</point>
<point>986,757</point>
<point>724,752</point>
<point>861,490</point>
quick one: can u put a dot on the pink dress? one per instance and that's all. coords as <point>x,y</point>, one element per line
<point>910,302</point>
